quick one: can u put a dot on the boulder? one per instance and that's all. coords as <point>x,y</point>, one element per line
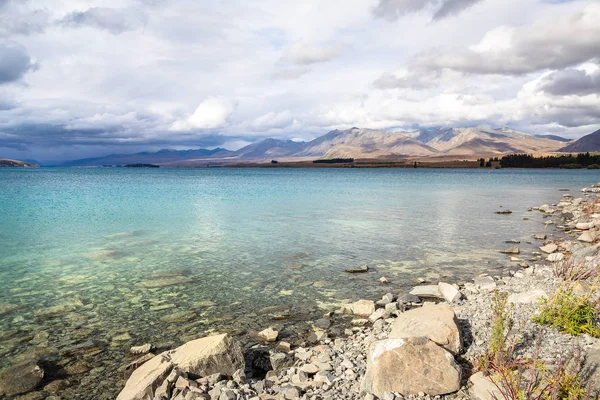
<point>511,250</point>
<point>437,322</point>
<point>20,378</point>
<point>586,237</point>
<point>549,248</point>
<point>532,296</point>
<point>482,388</point>
<point>409,367</point>
<point>209,355</point>
<point>378,314</point>
<point>363,308</point>
<point>206,356</point>
<point>427,292</point>
<point>449,292</point>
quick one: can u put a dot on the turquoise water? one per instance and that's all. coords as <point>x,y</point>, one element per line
<point>118,257</point>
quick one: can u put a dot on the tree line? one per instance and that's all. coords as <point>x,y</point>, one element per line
<point>567,161</point>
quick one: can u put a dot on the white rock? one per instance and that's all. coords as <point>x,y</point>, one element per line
<point>268,335</point>
<point>363,308</point>
<point>555,257</point>
<point>483,388</point>
<point>378,314</point>
<point>586,237</point>
<point>449,292</point>
<point>584,226</point>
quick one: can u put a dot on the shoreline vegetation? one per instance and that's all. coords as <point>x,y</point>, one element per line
<point>528,331</point>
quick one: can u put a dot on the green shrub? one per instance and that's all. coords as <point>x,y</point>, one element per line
<point>569,313</point>
<point>593,166</point>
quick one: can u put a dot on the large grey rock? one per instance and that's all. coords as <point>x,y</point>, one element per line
<point>436,322</point>
<point>409,367</point>
<point>206,356</point>
<point>20,378</point>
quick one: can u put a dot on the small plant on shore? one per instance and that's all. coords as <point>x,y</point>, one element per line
<point>569,312</point>
<point>526,378</point>
<point>571,270</point>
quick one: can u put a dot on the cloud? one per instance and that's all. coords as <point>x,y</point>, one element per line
<point>293,72</point>
<point>273,120</point>
<point>304,54</point>
<point>14,62</point>
<point>113,20</point>
<point>557,43</point>
<point>212,113</point>
<point>394,9</point>
<point>22,23</point>
<point>412,79</point>
<point>571,82</point>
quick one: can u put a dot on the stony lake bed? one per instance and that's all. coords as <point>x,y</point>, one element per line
<point>79,322</point>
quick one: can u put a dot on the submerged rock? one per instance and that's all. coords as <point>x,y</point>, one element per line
<point>167,281</point>
<point>359,270</point>
<point>363,308</point>
<point>20,378</point>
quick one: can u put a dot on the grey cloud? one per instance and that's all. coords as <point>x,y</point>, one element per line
<point>311,54</point>
<point>14,62</point>
<point>23,24</point>
<point>416,79</point>
<point>394,9</point>
<point>453,7</point>
<point>555,44</point>
<point>571,81</point>
<point>113,20</point>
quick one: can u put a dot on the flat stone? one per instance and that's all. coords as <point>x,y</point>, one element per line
<point>549,248</point>
<point>427,292</point>
<point>436,322</point>
<point>409,367</point>
<point>482,388</point>
<point>540,236</point>
<point>532,296</point>
<point>378,314</point>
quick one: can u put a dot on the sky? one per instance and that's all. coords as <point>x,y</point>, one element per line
<point>81,78</point>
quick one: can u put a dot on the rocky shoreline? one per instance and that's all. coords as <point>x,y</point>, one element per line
<point>422,344</point>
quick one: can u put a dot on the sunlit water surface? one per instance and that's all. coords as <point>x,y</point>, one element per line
<point>93,261</point>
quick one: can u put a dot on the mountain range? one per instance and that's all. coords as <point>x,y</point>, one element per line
<point>366,144</point>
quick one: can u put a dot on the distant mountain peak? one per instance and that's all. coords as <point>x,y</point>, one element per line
<point>587,143</point>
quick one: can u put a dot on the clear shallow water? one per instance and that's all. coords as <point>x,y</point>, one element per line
<point>117,257</point>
